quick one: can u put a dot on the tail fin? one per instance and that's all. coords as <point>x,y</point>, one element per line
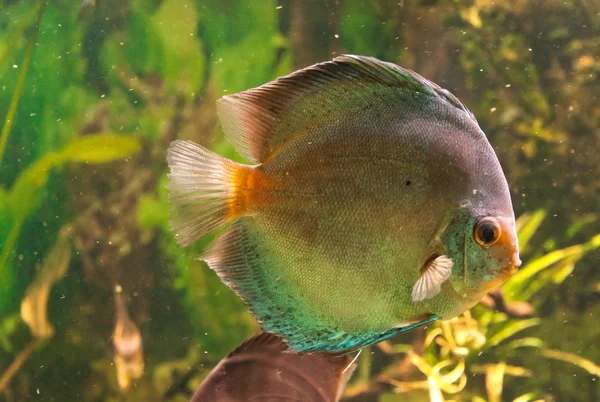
<point>203,190</point>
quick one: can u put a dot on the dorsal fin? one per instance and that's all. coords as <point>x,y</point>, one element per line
<point>259,120</point>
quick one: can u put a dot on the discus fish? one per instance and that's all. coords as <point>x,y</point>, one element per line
<point>375,204</point>
<point>263,368</point>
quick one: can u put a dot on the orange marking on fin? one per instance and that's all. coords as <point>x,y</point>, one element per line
<point>240,192</point>
<point>248,185</point>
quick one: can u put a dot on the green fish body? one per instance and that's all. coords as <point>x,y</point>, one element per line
<point>362,217</point>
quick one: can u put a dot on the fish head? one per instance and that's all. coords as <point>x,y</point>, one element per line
<point>485,251</point>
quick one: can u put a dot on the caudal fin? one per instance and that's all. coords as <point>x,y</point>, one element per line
<point>203,190</point>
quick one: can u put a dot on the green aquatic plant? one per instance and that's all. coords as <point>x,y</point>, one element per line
<point>18,203</point>
<point>25,192</point>
<point>34,305</point>
<point>14,103</point>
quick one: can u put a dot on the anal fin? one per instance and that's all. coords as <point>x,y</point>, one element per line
<point>245,263</point>
<point>350,342</point>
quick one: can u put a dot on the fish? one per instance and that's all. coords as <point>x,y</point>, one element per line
<point>373,204</point>
<point>263,368</point>
<point>127,343</point>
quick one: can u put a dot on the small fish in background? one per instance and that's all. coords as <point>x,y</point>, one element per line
<point>263,368</point>
<point>375,204</point>
<point>127,342</point>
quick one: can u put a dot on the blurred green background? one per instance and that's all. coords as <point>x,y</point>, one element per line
<point>92,93</point>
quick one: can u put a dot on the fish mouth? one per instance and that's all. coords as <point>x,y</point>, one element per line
<point>511,268</point>
<point>504,274</point>
<point>513,262</point>
<point>513,265</point>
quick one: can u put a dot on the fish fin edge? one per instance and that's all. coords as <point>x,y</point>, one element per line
<point>241,260</point>
<point>261,340</point>
<point>344,343</point>
<point>254,121</point>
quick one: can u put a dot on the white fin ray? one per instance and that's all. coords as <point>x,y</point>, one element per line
<point>429,283</point>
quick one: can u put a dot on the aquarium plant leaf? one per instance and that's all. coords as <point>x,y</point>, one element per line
<point>16,35</point>
<point>511,329</point>
<point>494,381</point>
<point>6,217</point>
<point>471,15</point>
<point>517,285</point>
<point>528,397</point>
<point>100,148</point>
<point>563,270</point>
<point>176,22</point>
<point>34,306</point>
<point>528,342</point>
<point>140,57</point>
<point>527,225</point>
<point>12,110</point>
<point>514,371</point>
<point>572,358</point>
<point>435,393</point>
<point>16,365</point>
<point>581,224</point>
<point>8,325</point>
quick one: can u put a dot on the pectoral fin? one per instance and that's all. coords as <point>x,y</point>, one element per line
<point>433,274</point>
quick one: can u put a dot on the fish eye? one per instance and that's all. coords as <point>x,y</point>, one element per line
<point>487,231</point>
